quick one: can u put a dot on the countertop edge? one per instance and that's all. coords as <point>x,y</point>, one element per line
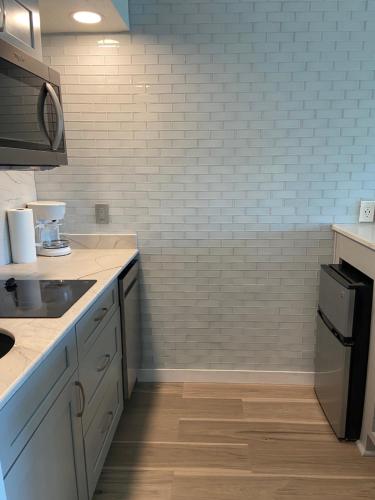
<point>345,231</point>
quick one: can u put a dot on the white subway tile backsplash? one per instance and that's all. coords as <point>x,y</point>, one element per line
<point>228,134</point>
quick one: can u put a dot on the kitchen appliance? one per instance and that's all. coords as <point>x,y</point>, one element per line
<point>40,298</point>
<point>48,217</point>
<point>343,332</point>
<point>32,123</point>
<point>131,323</point>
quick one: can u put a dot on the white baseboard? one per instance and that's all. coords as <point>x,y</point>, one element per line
<point>226,376</point>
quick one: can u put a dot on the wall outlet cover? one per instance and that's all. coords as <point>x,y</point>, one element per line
<point>102,213</point>
<point>366,211</point>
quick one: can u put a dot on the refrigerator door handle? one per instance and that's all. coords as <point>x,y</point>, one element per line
<point>345,341</point>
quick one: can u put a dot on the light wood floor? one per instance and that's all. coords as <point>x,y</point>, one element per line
<point>230,442</point>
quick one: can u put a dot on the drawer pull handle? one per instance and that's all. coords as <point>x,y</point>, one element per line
<point>107,359</point>
<point>83,398</point>
<point>108,423</point>
<point>102,316</point>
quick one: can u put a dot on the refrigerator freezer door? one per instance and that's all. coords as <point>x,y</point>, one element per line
<point>332,369</point>
<point>336,301</point>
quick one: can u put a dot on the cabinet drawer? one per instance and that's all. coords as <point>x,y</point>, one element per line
<point>103,426</point>
<point>93,368</point>
<point>90,324</point>
<point>23,413</point>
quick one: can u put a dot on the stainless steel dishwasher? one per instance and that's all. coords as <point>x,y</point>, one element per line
<point>131,325</point>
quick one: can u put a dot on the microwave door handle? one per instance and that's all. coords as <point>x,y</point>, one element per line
<point>41,119</point>
<point>60,117</point>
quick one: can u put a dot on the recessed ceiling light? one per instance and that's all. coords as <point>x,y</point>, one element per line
<point>87,17</point>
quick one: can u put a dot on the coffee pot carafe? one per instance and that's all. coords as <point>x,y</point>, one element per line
<point>48,217</point>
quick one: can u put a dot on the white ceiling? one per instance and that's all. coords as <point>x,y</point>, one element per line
<point>56,16</point>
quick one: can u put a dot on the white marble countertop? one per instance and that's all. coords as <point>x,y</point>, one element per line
<point>35,338</point>
<point>361,233</point>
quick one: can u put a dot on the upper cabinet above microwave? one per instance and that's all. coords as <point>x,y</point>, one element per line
<point>57,16</point>
<point>20,25</point>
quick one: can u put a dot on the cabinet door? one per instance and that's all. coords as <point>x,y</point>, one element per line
<point>20,25</point>
<point>52,463</point>
<point>23,413</point>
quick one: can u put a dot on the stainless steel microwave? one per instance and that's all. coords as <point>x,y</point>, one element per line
<point>31,114</point>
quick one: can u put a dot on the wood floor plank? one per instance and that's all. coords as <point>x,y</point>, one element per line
<point>270,488</point>
<point>287,454</point>
<point>147,401</point>
<point>279,409</point>
<point>133,485</point>
<point>177,455</point>
<point>239,431</point>
<point>160,388</point>
<point>241,391</point>
<point>159,425</point>
<point>186,407</point>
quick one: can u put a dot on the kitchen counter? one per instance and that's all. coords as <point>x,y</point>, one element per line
<point>36,337</point>
<point>361,233</point>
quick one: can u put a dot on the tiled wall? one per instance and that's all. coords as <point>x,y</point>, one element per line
<point>16,189</point>
<point>229,134</point>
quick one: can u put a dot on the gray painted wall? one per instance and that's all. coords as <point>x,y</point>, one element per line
<point>228,134</point>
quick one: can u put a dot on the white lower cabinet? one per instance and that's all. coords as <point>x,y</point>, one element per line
<point>55,432</point>
<point>52,463</point>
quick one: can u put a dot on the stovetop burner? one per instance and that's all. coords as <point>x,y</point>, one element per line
<point>40,298</point>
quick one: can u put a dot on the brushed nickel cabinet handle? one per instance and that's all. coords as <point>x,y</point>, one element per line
<point>102,316</point>
<point>83,397</point>
<point>107,359</point>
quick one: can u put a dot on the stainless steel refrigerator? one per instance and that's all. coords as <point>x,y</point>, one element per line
<point>343,331</point>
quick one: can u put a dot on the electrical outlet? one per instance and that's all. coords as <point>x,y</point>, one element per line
<point>366,211</point>
<point>102,213</point>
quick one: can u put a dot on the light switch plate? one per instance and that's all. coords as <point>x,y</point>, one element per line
<point>102,213</point>
<point>366,211</point>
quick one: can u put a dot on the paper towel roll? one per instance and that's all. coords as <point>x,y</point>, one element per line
<point>22,235</point>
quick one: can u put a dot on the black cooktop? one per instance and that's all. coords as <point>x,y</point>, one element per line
<point>40,298</point>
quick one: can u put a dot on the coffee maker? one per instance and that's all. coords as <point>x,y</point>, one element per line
<point>48,217</point>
